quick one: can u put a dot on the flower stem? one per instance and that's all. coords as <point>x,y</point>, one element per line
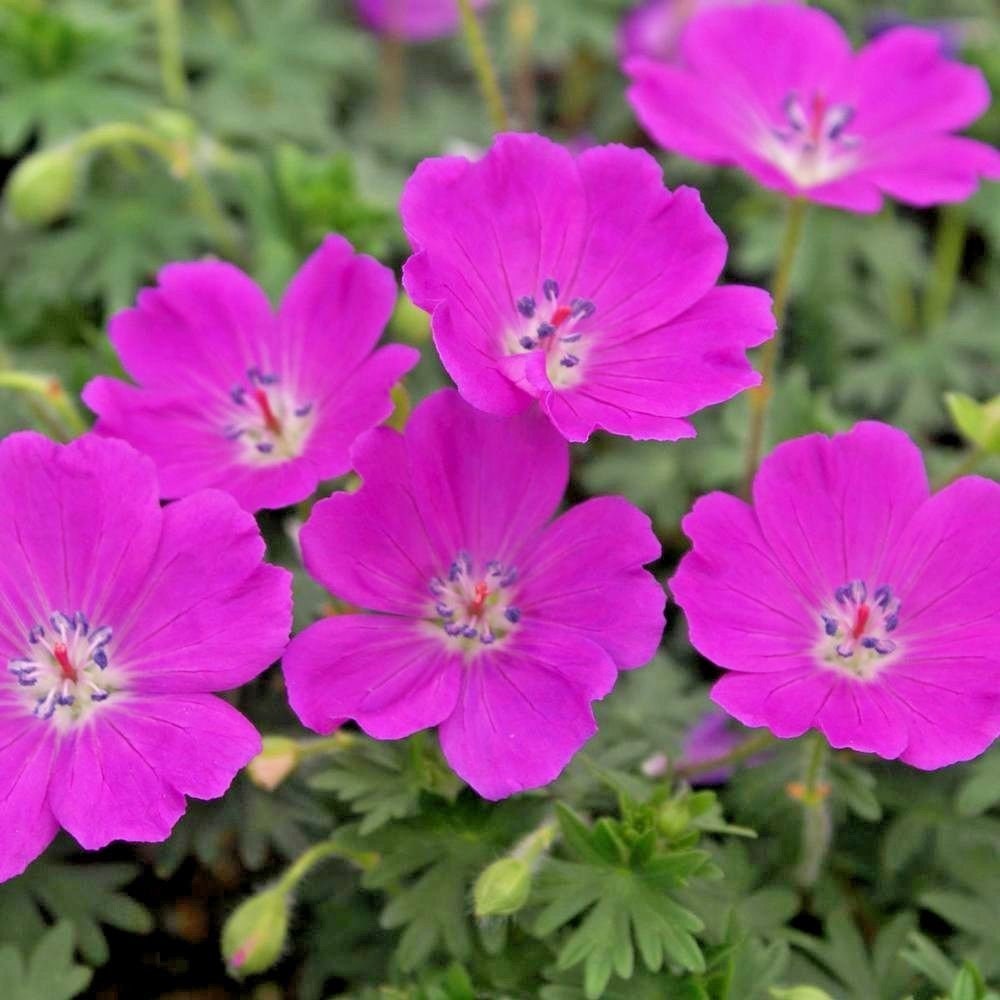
<point>482,63</point>
<point>522,23</point>
<point>168,33</point>
<point>760,397</point>
<point>817,830</point>
<point>320,852</point>
<point>948,246</point>
<point>129,134</point>
<point>338,740</point>
<point>391,78</point>
<point>750,747</point>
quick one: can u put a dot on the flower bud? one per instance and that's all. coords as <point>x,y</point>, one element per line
<point>502,888</point>
<point>276,761</point>
<point>253,937</point>
<point>673,818</point>
<point>42,185</point>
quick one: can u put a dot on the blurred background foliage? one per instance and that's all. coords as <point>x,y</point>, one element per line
<point>135,133</point>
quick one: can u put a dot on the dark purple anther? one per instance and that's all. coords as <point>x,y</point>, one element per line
<point>526,306</point>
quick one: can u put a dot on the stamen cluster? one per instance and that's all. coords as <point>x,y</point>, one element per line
<point>859,628</point>
<point>272,424</point>
<point>63,662</point>
<point>475,606</point>
<point>552,327</point>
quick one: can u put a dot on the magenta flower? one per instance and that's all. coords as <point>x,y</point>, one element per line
<point>118,618</point>
<point>776,90</point>
<point>493,624</point>
<point>583,283</point>
<point>232,396</point>
<point>850,600</point>
<point>415,20</point>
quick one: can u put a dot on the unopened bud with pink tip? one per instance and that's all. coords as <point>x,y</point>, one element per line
<point>253,938</point>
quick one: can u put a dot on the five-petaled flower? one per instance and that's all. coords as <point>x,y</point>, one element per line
<point>583,283</point>
<point>232,396</point>
<point>849,599</point>
<point>491,623</point>
<point>776,90</point>
<point>414,20</point>
<point>118,618</point>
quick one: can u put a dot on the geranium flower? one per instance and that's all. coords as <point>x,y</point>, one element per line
<point>415,20</point>
<point>583,283</point>
<point>849,599</point>
<point>232,396</point>
<point>118,618</point>
<point>491,623</point>
<point>776,90</point>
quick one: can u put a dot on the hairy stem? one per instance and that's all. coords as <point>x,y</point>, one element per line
<point>475,41</point>
<point>168,36</point>
<point>817,827</point>
<point>760,397</point>
<point>948,246</point>
<point>750,747</point>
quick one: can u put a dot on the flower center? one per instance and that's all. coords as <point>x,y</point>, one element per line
<point>474,608</point>
<point>553,328</point>
<point>811,144</point>
<point>856,629</point>
<point>63,665</point>
<point>269,423</point>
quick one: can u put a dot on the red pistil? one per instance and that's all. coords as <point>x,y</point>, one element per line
<point>61,654</point>
<point>270,420</point>
<point>559,316</point>
<point>818,117</point>
<point>478,603</point>
<point>864,613</point>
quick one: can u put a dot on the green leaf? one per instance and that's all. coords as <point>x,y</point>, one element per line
<point>384,781</point>
<point>84,896</point>
<point>854,785</point>
<point>978,422</point>
<point>50,973</point>
<point>427,866</point>
<point>623,896</point>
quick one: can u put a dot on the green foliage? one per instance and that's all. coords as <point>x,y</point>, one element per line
<point>384,781</point>
<point>82,897</point>
<point>49,972</point>
<point>620,878</point>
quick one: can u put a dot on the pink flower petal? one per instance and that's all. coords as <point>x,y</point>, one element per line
<point>104,788</point>
<point>210,615</point>
<point>392,675</point>
<point>743,609</point>
<point>27,748</point>
<point>786,702</point>
<point>852,498</point>
<point>905,87</point>
<point>577,580</point>
<point>514,729</point>
<point>196,743</point>
<point>78,528</point>
<point>197,326</point>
